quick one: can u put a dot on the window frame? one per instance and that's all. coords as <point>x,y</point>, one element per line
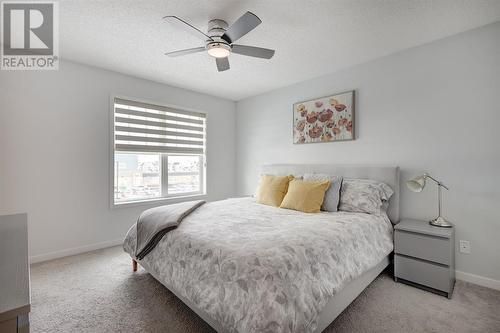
<point>169,198</point>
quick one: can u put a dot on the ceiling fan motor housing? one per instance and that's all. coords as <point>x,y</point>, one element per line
<point>217,28</point>
<point>217,47</point>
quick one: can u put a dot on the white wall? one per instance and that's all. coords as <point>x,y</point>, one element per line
<point>54,152</point>
<point>432,108</point>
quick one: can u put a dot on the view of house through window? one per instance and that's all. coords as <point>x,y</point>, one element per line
<point>139,176</point>
<point>159,152</point>
<point>184,174</point>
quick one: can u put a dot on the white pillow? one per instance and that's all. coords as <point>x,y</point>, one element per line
<point>332,195</point>
<point>364,196</point>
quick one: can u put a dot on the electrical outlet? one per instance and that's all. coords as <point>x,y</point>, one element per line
<point>464,246</point>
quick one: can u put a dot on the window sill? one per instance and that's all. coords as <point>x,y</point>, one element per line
<point>152,202</point>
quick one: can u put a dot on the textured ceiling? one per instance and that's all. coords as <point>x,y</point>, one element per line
<point>311,38</point>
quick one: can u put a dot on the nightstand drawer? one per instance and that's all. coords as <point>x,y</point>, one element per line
<point>422,272</point>
<point>421,246</point>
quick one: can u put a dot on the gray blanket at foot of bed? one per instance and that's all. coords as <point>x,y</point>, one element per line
<point>154,223</point>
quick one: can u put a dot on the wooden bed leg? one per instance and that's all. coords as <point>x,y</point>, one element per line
<point>134,265</point>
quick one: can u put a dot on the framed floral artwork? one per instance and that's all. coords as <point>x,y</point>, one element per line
<point>324,119</point>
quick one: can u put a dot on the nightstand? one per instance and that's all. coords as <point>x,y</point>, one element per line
<point>424,256</point>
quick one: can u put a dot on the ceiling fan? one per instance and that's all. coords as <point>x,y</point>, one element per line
<point>220,38</point>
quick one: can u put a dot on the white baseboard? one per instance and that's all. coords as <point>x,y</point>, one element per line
<point>477,279</point>
<point>74,250</point>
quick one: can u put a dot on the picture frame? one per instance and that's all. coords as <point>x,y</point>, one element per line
<point>325,119</point>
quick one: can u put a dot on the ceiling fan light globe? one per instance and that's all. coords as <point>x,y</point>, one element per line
<point>218,50</point>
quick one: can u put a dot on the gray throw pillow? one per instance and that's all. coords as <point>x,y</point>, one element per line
<point>332,195</point>
<point>364,196</point>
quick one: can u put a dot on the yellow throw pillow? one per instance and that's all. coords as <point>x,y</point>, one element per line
<point>272,189</point>
<point>305,196</point>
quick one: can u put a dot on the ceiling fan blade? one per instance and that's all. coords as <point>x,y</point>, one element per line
<point>252,51</point>
<point>222,64</point>
<point>241,27</point>
<point>188,27</point>
<point>186,51</point>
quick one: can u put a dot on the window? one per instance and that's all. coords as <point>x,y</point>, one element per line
<point>159,152</point>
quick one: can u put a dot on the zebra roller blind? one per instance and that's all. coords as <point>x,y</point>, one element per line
<point>142,127</point>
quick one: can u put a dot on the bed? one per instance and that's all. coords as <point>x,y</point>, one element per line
<point>246,267</point>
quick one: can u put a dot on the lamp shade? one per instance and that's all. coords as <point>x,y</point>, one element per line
<point>416,184</point>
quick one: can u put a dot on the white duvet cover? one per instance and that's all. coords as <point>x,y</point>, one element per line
<point>256,268</point>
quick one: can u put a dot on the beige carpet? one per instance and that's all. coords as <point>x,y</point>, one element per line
<point>98,292</point>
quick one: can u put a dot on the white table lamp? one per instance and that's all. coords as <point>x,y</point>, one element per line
<point>417,184</point>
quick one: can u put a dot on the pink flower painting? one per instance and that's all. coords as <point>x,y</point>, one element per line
<point>300,126</point>
<point>342,122</point>
<point>327,136</point>
<point>325,115</point>
<point>340,107</point>
<point>311,117</point>
<point>324,119</point>
<point>349,126</point>
<point>315,132</point>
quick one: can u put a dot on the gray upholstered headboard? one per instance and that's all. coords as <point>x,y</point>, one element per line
<point>386,174</point>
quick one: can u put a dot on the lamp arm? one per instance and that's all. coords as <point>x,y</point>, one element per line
<point>437,181</point>
<point>439,184</point>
